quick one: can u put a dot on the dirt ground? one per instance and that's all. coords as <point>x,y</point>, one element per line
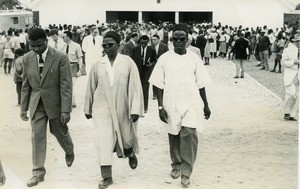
<point>246,144</point>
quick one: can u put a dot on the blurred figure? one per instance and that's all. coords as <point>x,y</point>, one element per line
<point>2,175</point>
<point>18,74</point>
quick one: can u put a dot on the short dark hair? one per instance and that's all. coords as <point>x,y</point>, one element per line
<point>53,32</point>
<point>37,33</point>
<point>144,38</point>
<point>19,52</point>
<point>155,35</point>
<point>69,34</point>
<point>134,34</point>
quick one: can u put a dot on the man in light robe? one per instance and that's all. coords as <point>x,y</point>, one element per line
<point>181,78</point>
<point>114,99</point>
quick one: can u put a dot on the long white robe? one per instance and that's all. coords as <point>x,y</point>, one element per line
<point>111,106</point>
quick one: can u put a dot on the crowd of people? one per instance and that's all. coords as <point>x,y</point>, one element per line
<point>122,61</point>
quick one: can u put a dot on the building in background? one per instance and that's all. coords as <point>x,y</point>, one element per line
<point>250,13</point>
<point>19,19</point>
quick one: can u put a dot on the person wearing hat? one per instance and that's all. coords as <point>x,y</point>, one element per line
<point>290,61</point>
<point>181,78</point>
<point>114,100</point>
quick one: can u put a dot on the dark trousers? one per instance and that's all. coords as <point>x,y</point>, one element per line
<point>154,91</point>
<point>18,89</point>
<point>145,86</point>
<point>106,170</point>
<point>7,64</point>
<point>39,138</point>
<point>183,150</point>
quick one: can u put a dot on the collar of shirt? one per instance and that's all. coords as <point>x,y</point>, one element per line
<point>43,54</point>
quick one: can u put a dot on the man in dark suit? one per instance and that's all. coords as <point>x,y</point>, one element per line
<point>144,57</point>
<point>201,42</point>
<point>47,92</point>
<point>128,47</point>
<point>160,48</point>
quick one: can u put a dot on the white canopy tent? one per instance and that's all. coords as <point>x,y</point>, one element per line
<point>248,13</point>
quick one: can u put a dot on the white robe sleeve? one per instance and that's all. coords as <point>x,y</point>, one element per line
<point>157,77</point>
<point>90,89</point>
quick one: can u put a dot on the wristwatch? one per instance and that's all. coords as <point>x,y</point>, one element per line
<point>160,107</point>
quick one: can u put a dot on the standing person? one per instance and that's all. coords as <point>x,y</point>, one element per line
<point>160,48</point>
<point>209,41</point>
<point>55,41</point>
<point>263,50</point>
<point>144,57</point>
<point>114,99</point>
<point>8,52</point>
<point>181,77</point>
<point>18,72</point>
<point>213,46</point>
<point>2,175</point>
<point>47,92</point>
<point>127,50</point>
<point>73,50</point>
<point>241,47</point>
<point>278,46</point>
<point>291,60</point>
<point>201,43</point>
<point>91,46</point>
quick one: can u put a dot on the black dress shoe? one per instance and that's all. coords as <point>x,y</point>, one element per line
<point>133,161</point>
<point>105,183</point>
<point>35,180</point>
<point>262,68</point>
<point>175,173</point>
<point>2,181</point>
<point>292,119</point>
<point>287,117</point>
<point>185,181</point>
<point>70,159</point>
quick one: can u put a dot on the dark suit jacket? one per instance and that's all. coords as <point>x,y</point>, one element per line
<point>127,49</point>
<point>54,88</point>
<point>240,47</point>
<point>162,48</point>
<point>150,60</point>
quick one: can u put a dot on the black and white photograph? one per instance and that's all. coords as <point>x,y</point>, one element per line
<point>149,94</point>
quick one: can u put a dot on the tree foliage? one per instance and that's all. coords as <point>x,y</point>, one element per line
<point>9,4</point>
<point>298,7</point>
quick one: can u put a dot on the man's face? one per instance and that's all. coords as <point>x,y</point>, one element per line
<point>155,40</point>
<point>38,46</point>
<point>54,37</point>
<point>95,32</point>
<point>110,46</point>
<point>65,37</point>
<point>144,43</point>
<point>179,39</point>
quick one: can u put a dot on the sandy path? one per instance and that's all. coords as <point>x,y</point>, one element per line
<point>246,143</point>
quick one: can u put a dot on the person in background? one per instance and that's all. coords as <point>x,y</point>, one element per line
<point>241,47</point>
<point>55,40</point>
<point>19,68</point>
<point>160,48</point>
<point>74,52</point>
<point>8,53</point>
<point>114,99</point>
<point>290,61</point>
<point>278,45</point>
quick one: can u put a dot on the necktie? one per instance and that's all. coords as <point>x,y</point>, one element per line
<point>41,64</point>
<point>94,41</point>
<point>143,54</point>
<point>67,50</point>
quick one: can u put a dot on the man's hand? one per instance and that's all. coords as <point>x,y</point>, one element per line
<point>88,116</point>
<point>65,118</point>
<point>134,117</point>
<point>163,115</point>
<point>23,115</point>
<point>206,112</point>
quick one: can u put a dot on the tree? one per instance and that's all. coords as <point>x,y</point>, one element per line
<point>298,7</point>
<point>9,4</point>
